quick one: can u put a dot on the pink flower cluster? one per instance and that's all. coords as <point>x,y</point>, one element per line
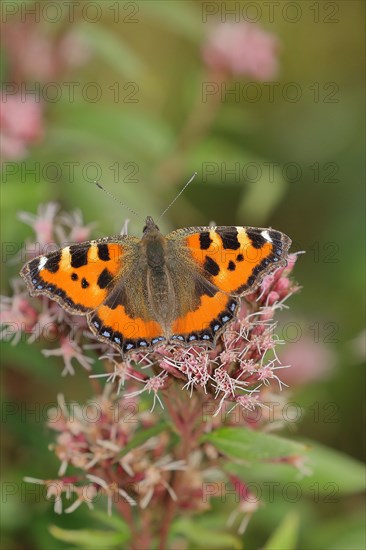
<point>43,320</point>
<point>37,55</point>
<point>94,437</point>
<point>33,57</point>
<point>21,125</point>
<point>242,49</point>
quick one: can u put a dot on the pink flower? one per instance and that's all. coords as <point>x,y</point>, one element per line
<point>78,232</point>
<point>43,223</point>
<point>34,54</point>
<point>248,504</point>
<point>242,49</point>
<point>69,350</point>
<point>16,317</point>
<point>21,125</point>
<point>29,51</point>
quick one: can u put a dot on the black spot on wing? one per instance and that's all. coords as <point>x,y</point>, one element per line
<point>84,283</point>
<point>104,279</point>
<point>231,266</point>
<point>211,266</point>
<point>275,235</point>
<point>229,237</point>
<point>79,254</point>
<point>205,240</point>
<point>103,252</point>
<point>256,238</point>
<point>74,276</point>
<point>56,293</point>
<point>53,263</point>
<point>239,258</point>
<point>33,266</point>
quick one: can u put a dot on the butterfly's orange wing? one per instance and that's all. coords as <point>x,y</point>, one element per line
<point>124,331</point>
<point>83,279</point>
<point>77,276</point>
<point>233,260</point>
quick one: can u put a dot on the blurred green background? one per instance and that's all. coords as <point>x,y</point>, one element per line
<point>152,121</point>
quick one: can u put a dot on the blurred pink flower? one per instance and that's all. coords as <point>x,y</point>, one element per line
<point>358,346</point>
<point>310,361</point>
<point>69,350</point>
<point>248,504</point>
<point>21,125</point>
<point>29,51</point>
<point>35,55</point>
<point>242,49</point>
<point>43,223</point>
<point>17,316</point>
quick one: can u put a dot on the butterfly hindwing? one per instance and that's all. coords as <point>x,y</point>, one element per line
<point>124,331</point>
<point>207,322</point>
<point>79,276</point>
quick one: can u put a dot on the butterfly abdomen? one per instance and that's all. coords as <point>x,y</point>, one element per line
<point>159,287</point>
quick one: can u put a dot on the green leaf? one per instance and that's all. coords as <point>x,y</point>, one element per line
<point>263,195</point>
<point>179,17</point>
<point>222,162</point>
<point>225,164</point>
<point>286,534</point>
<point>249,445</point>
<point>141,437</point>
<point>29,358</point>
<point>143,135</point>
<point>204,536</point>
<point>113,50</point>
<point>330,466</point>
<point>114,522</point>
<point>90,538</point>
<point>331,473</point>
<point>343,533</point>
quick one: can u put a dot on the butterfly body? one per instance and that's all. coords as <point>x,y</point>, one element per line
<point>140,293</point>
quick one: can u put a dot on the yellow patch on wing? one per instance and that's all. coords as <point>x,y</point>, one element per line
<point>84,284</point>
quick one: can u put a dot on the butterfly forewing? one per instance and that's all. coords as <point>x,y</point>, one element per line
<point>235,259</point>
<point>79,276</point>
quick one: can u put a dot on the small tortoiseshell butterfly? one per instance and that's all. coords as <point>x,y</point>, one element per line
<point>140,293</point>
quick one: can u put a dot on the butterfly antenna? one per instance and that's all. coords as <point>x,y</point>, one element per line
<point>115,198</point>
<point>179,194</point>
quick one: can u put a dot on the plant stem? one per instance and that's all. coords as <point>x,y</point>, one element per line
<point>184,412</point>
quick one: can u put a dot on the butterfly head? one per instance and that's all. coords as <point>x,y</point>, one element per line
<point>150,226</point>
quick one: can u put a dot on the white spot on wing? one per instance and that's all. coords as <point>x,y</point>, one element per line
<point>265,234</point>
<point>42,263</point>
